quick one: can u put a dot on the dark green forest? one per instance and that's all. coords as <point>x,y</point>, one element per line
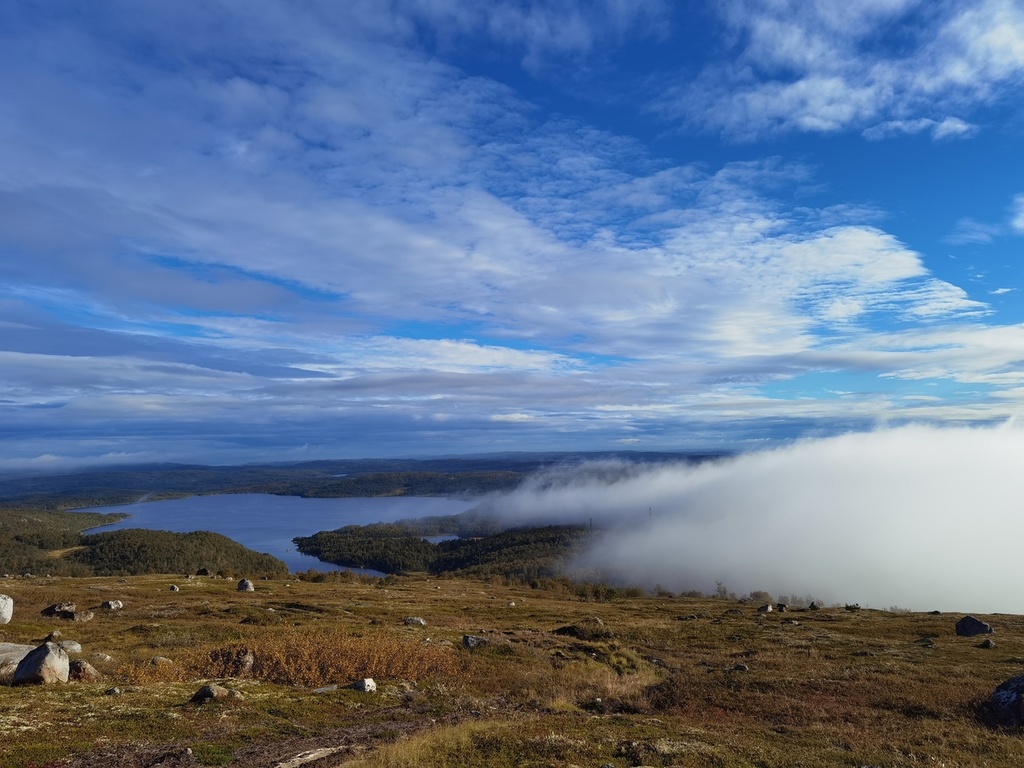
<point>133,551</point>
<point>521,554</point>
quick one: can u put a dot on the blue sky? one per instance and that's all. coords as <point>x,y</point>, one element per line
<point>278,230</point>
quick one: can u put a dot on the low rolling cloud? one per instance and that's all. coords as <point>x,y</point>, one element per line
<point>916,517</point>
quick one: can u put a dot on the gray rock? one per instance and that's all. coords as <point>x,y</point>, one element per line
<point>246,586</point>
<point>174,587</point>
<point>415,621</point>
<point>160,661</point>
<point>11,655</point>
<point>103,658</point>
<point>988,642</point>
<point>813,606</point>
<point>112,605</point>
<point>766,608</point>
<point>1005,707</point>
<point>472,642</point>
<point>6,609</point>
<point>71,646</point>
<point>82,671</point>
<point>969,626</point>
<point>42,666</point>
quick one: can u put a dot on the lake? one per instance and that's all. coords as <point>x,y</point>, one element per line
<point>267,523</point>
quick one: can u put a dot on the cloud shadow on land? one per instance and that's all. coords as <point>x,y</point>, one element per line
<point>917,517</point>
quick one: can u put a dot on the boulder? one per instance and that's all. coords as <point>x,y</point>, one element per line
<point>1005,707</point>
<point>472,642</point>
<point>366,685</point>
<point>6,609</point>
<point>71,646</point>
<point>82,671</point>
<point>112,605</point>
<point>766,608</point>
<point>43,665</point>
<point>969,626</point>
<point>11,655</point>
<point>415,621</point>
<point>64,610</point>
<point>246,586</point>
<point>214,692</point>
<point>814,606</point>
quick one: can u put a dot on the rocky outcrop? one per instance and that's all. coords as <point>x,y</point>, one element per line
<point>6,609</point>
<point>44,665</point>
<point>969,626</point>
<point>67,612</point>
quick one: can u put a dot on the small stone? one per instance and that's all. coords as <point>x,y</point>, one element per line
<point>740,668</point>
<point>813,606</point>
<point>415,621</point>
<point>988,642</point>
<point>103,658</point>
<point>246,586</point>
<point>160,661</point>
<point>71,646</point>
<point>766,608</point>
<point>174,587</point>
<point>472,642</point>
<point>112,605</point>
<point>115,691</point>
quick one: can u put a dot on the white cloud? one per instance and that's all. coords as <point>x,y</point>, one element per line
<point>872,518</point>
<point>1017,214</point>
<point>817,68</point>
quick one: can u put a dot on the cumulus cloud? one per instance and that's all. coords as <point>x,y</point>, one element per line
<point>918,517</point>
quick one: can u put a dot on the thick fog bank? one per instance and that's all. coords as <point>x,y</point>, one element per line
<point>916,517</point>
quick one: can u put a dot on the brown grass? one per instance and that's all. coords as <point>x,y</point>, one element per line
<point>632,682</point>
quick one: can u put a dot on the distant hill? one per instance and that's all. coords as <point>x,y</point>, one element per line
<point>326,479</point>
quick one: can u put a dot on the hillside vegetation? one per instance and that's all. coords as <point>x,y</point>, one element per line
<point>523,554</point>
<point>559,680</point>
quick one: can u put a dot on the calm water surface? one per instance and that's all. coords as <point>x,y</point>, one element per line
<point>266,523</point>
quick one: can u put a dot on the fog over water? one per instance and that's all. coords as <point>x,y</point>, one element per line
<point>915,517</point>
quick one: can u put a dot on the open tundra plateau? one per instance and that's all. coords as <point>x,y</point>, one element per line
<point>487,673</point>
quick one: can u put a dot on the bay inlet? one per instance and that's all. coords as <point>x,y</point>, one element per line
<point>268,523</point>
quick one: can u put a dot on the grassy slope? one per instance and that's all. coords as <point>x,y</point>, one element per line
<point>838,688</point>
